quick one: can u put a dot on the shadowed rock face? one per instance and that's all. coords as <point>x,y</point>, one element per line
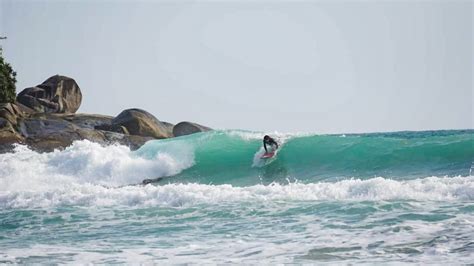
<point>186,128</point>
<point>58,94</point>
<point>141,123</point>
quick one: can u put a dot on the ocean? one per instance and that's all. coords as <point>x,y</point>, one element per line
<point>346,198</point>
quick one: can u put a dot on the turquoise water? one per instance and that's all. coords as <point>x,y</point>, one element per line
<point>385,197</point>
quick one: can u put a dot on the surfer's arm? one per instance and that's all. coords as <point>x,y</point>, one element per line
<point>265,146</point>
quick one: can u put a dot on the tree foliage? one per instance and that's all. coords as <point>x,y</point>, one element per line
<point>7,81</point>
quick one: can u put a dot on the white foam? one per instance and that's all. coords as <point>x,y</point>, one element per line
<point>176,195</point>
<point>86,162</point>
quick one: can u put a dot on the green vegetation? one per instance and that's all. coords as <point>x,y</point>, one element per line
<point>7,81</point>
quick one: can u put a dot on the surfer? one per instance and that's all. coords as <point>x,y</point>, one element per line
<point>270,141</point>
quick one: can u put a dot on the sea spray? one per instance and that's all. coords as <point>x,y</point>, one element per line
<point>86,162</point>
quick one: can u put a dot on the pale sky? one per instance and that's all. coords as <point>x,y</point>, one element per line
<point>287,66</point>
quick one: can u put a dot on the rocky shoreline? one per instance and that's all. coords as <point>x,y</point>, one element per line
<point>44,118</point>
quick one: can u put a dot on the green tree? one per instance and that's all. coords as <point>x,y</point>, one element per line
<point>7,81</point>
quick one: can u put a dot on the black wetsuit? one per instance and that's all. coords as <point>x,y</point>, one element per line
<point>270,142</point>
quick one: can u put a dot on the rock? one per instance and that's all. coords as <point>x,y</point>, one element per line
<point>90,121</point>
<point>9,116</point>
<point>4,123</point>
<point>10,112</point>
<point>8,136</point>
<point>113,128</point>
<point>169,128</point>
<point>186,128</point>
<point>24,109</point>
<point>58,94</point>
<point>48,132</point>
<point>45,132</point>
<point>43,117</point>
<point>141,123</point>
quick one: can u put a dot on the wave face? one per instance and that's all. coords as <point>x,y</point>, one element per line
<point>233,157</point>
<point>370,198</point>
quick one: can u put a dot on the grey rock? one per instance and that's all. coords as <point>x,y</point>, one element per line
<point>186,128</point>
<point>141,123</point>
<point>90,121</point>
<point>48,132</point>
<point>58,94</point>
<point>44,118</point>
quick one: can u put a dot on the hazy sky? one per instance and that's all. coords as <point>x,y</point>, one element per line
<point>317,66</point>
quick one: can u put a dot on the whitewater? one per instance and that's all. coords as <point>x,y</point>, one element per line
<point>347,198</point>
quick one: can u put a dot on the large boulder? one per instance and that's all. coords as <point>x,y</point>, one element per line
<point>58,94</point>
<point>186,128</point>
<point>141,123</point>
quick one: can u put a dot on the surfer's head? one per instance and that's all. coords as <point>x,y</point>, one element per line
<point>266,137</point>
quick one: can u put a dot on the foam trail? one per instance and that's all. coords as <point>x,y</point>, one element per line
<point>257,158</point>
<point>175,195</point>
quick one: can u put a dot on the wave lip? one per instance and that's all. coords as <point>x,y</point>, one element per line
<point>178,195</point>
